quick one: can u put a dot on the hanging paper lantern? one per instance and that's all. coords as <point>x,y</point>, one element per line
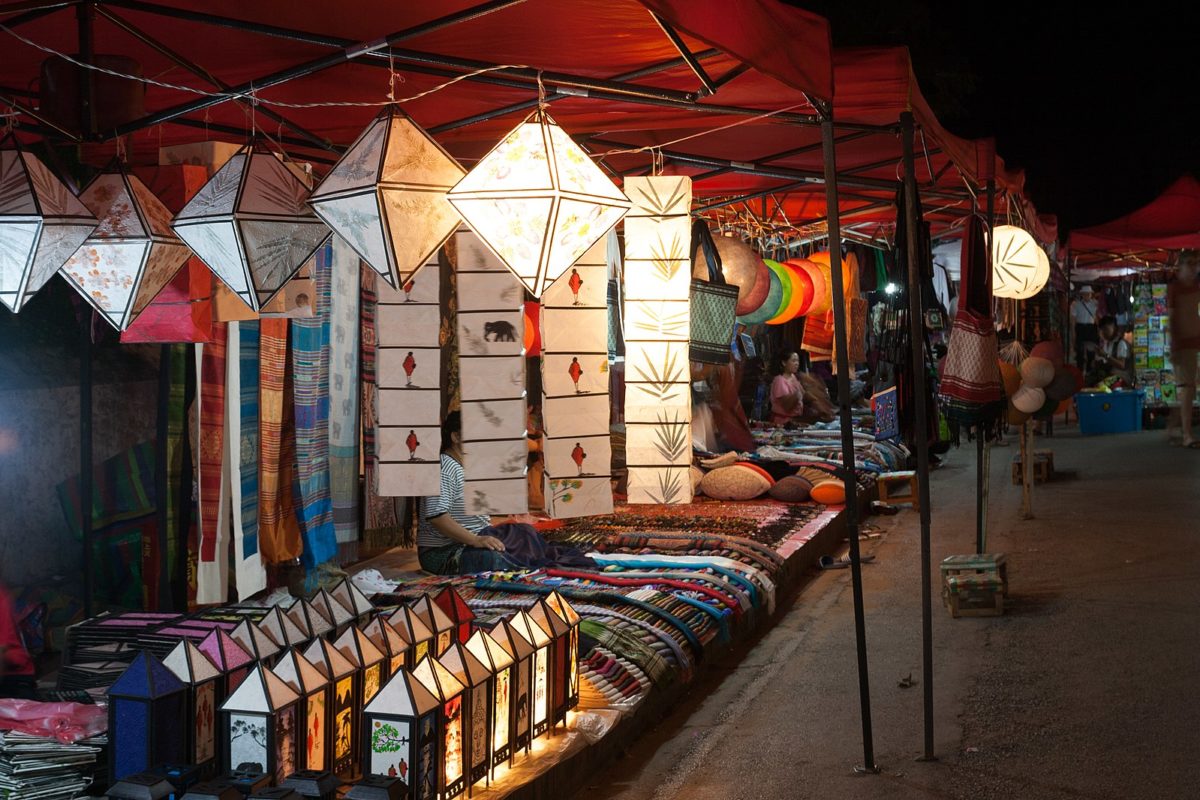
<point>386,196</point>
<point>1062,387</point>
<point>1052,351</point>
<point>792,296</point>
<point>770,304</point>
<point>42,223</point>
<point>1028,399</point>
<point>533,329</point>
<point>1010,376</point>
<point>801,298</point>
<point>822,284</point>
<point>1019,267</point>
<point>251,225</point>
<point>742,268</point>
<point>804,284</point>
<point>538,202</point>
<point>131,255</point>
<point>1037,373</point>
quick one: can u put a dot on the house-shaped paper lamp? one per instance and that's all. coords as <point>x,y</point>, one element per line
<point>229,657</point>
<point>438,621</point>
<point>131,255</point>
<point>386,196</point>
<point>42,224</point>
<point>563,659</point>
<point>452,777</point>
<point>499,662</point>
<point>259,726</point>
<point>540,695</point>
<point>400,729</point>
<point>255,641</point>
<point>476,708</point>
<point>521,650</point>
<point>145,707</point>
<point>410,626</point>
<point>204,684</point>
<point>457,610</point>
<point>334,610</point>
<point>343,677</point>
<point>352,598</point>
<point>313,711</point>
<point>310,620</point>
<point>390,643</point>
<point>283,629</point>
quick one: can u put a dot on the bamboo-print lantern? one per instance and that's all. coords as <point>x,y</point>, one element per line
<point>444,629</point>
<point>259,726</point>
<point>255,641</point>
<point>145,707</point>
<point>559,605</point>
<point>521,649</point>
<point>476,708</point>
<point>343,678</point>
<point>386,196</point>
<point>457,610</point>
<point>313,711</point>
<point>576,446</point>
<point>390,643</point>
<point>538,201</point>
<point>360,651</point>
<point>499,661</point>
<point>42,223</point>
<point>131,255</point>
<point>203,681</point>
<point>657,332</point>
<point>229,657</point>
<point>400,728</point>
<point>560,661</point>
<point>283,629</point>
<point>309,619</point>
<point>539,698</point>
<point>449,691</point>
<point>410,625</point>
<point>251,225</point>
<point>353,599</point>
<point>334,610</point>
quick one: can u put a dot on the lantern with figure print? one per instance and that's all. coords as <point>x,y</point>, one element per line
<point>452,778</point>
<point>520,649</point>
<point>342,676</point>
<point>499,662</point>
<point>539,698</point>
<point>476,708</point>
<point>400,729</point>
<point>313,711</point>
<point>203,681</point>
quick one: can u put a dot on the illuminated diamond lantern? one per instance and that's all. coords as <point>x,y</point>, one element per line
<point>251,225</point>
<point>538,202</point>
<point>42,223</point>
<point>386,197</point>
<point>1020,268</point>
<point>131,255</point>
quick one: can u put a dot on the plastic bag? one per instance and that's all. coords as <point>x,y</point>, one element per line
<point>66,722</point>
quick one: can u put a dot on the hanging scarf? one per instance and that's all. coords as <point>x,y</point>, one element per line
<point>278,525</point>
<point>971,389</point>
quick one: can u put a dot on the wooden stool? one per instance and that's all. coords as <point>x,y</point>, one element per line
<point>954,566</point>
<point>1043,467</point>
<point>887,481</point>
<point>974,594</point>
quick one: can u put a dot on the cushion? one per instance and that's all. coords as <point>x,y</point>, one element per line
<point>766,475</point>
<point>734,483</point>
<point>697,476</point>
<point>829,492</point>
<point>792,489</point>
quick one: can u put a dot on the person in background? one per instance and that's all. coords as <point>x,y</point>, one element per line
<point>1087,336</point>
<point>16,665</point>
<point>787,395</point>
<point>1183,306</point>
<point>1114,356</point>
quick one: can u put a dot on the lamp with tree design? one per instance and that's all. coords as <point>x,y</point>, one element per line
<point>259,724</point>
<point>400,728</point>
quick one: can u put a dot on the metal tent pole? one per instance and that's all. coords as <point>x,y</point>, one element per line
<point>916,321</point>
<point>983,451</point>
<point>161,487</point>
<point>83,16</point>
<point>841,353</point>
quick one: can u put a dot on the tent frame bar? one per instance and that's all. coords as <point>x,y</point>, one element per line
<point>694,65</point>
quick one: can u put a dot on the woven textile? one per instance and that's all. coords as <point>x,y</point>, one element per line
<point>241,428</point>
<point>212,569</point>
<point>278,526</point>
<point>310,338</point>
<point>343,391</point>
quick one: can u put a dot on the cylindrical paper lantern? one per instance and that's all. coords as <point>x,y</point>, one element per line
<point>1011,377</point>
<point>533,328</point>
<point>742,268</point>
<point>790,311</point>
<point>1028,399</point>
<point>770,305</point>
<point>804,284</point>
<point>1051,351</point>
<point>1037,372</point>
<point>823,284</point>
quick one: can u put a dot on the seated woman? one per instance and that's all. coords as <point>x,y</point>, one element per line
<point>1113,356</point>
<point>787,395</point>
<point>449,540</point>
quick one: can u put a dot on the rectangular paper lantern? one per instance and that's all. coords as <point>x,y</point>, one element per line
<point>312,686</point>
<point>477,678</point>
<point>203,679</point>
<point>343,677</point>
<point>499,661</point>
<point>408,373</point>
<point>521,649</point>
<point>491,363</point>
<point>259,723</point>
<point>452,779</point>
<point>413,630</point>
<point>658,401</point>
<point>400,728</point>
<point>575,406</point>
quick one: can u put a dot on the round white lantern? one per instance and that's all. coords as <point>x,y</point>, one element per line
<point>1028,399</point>
<point>1037,373</point>
<point>1020,268</point>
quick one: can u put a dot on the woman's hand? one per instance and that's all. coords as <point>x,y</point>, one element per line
<point>489,543</point>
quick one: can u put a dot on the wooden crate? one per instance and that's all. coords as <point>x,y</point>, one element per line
<point>1043,467</point>
<point>974,594</point>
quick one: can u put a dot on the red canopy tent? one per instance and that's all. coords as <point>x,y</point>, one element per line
<point>1147,237</point>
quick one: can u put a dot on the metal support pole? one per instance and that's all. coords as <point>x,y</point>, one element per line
<point>83,15</point>
<point>841,353</point>
<point>916,323</point>
<point>983,451</point>
<point>161,488</point>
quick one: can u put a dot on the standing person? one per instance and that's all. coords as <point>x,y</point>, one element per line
<point>787,395</point>
<point>16,666</point>
<point>1183,306</point>
<point>1083,314</point>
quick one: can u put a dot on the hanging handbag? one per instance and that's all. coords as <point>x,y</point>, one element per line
<point>713,304</point>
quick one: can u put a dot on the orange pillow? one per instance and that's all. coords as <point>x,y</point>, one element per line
<point>829,493</point>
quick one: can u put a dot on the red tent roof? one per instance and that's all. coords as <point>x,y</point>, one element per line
<point>1169,222</point>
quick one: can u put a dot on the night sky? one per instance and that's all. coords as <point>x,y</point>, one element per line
<point>1099,104</point>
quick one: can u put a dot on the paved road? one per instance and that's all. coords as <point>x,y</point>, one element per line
<point>1087,688</point>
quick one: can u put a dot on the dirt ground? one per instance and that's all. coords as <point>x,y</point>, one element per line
<point>1085,688</point>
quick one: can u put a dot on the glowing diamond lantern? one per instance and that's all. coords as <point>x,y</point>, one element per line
<point>131,255</point>
<point>1020,268</point>
<point>251,225</point>
<point>387,196</point>
<point>42,223</point>
<point>538,202</point>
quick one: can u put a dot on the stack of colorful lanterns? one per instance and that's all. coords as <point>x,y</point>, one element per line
<point>774,292</point>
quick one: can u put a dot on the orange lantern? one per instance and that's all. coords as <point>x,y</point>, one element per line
<point>805,284</point>
<point>533,328</point>
<point>822,288</point>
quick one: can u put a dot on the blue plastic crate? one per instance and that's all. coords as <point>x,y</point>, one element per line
<point>1116,412</point>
